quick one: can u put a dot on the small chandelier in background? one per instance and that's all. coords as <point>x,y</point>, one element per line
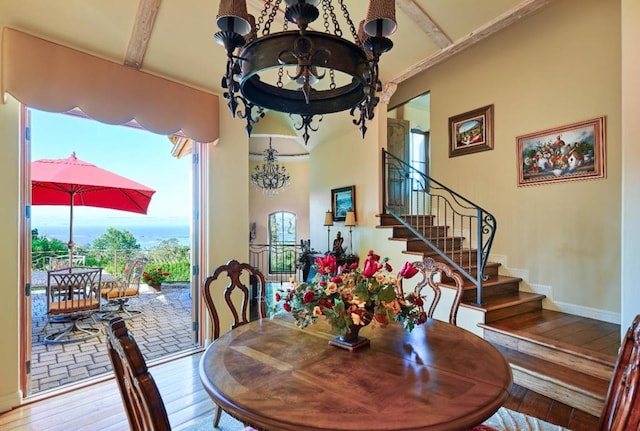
<point>270,177</point>
<point>327,73</point>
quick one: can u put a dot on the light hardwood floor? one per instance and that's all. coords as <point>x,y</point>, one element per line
<point>99,407</point>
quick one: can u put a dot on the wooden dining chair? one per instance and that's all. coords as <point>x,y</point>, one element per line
<point>118,292</point>
<point>73,294</point>
<point>234,271</point>
<point>621,410</point>
<point>433,273</point>
<point>140,395</point>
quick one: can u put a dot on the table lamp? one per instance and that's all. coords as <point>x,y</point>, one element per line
<point>350,222</point>
<point>328,222</point>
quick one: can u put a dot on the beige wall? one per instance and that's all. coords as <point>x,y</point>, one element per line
<point>9,310</point>
<point>551,69</point>
<point>294,198</point>
<point>630,159</point>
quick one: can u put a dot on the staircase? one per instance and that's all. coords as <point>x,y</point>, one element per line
<point>567,358</point>
<point>501,297</point>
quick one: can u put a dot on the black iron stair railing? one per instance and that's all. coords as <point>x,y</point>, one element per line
<point>455,228</point>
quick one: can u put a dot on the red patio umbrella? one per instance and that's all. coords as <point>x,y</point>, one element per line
<point>73,182</point>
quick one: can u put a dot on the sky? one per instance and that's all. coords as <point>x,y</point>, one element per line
<point>133,153</point>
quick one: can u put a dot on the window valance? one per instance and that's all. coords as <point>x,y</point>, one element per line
<point>51,77</point>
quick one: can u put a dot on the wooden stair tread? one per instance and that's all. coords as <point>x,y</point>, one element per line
<point>555,344</point>
<point>497,302</point>
<point>494,281</point>
<point>579,382</point>
<point>541,327</point>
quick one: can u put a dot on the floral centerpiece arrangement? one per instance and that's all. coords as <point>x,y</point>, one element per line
<point>350,297</point>
<point>154,277</point>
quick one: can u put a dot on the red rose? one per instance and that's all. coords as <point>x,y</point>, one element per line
<point>286,307</point>
<point>408,270</point>
<point>308,296</point>
<point>278,297</point>
<point>337,280</point>
<point>388,267</point>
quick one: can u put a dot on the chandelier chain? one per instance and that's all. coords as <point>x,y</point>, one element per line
<point>354,33</point>
<point>280,73</point>
<point>272,16</point>
<point>325,15</point>
<point>334,19</point>
<point>263,14</point>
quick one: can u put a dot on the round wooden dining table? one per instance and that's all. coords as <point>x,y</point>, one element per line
<point>273,376</point>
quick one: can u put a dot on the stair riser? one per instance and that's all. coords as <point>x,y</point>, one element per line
<point>490,270</point>
<point>435,231</point>
<point>560,357</point>
<point>557,391</point>
<point>448,243</point>
<point>414,220</point>
<point>462,258</point>
<point>470,295</point>
<point>502,313</point>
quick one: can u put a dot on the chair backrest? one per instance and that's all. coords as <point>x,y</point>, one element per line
<point>73,290</point>
<point>140,395</point>
<point>621,410</point>
<point>433,273</point>
<point>133,272</point>
<point>234,271</point>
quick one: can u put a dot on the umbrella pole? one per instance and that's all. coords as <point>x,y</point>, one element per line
<point>70,244</point>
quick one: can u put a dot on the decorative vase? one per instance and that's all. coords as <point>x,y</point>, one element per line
<point>352,339</point>
<point>155,286</point>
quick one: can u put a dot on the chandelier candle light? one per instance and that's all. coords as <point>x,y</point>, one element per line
<point>270,177</point>
<point>325,72</point>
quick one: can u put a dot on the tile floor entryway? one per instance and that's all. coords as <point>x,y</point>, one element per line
<point>164,328</point>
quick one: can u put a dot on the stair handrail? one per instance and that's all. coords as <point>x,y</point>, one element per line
<point>416,199</point>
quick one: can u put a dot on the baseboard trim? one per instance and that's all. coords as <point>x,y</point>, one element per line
<point>10,401</point>
<point>580,310</point>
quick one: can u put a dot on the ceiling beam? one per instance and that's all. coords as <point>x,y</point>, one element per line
<point>424,21</point>
<point>525,8</point>
<point>141,33</point>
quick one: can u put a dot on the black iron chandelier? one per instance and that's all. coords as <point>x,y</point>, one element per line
<point>270,177</point>
<point>303,72</point>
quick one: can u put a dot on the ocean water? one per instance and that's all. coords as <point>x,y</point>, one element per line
<point>147,236</point>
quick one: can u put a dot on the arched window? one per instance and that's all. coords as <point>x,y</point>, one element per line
<point>282,242</point>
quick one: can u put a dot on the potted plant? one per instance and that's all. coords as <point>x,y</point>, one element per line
<point>154,277</point>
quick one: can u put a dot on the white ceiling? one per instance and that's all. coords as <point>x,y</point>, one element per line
<point>174,39</point>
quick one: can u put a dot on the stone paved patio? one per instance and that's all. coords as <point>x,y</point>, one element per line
<point>164,328</point>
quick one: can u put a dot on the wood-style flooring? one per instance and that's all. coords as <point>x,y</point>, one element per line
<point>99,407</point>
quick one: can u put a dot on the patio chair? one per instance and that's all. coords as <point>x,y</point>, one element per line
<point>234,270</point>
<point>73,294</point>
<point>140,394</point>
<point>118,292</point>
<point>432,275</point>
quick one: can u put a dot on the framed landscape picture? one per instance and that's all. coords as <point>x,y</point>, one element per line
<point>567,153</point>
<point>343,200</point>
<point>471,132</point>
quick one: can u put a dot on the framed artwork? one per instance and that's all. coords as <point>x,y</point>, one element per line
<point>471,132</point>
<point>343,200</point>
<point>567,153</point>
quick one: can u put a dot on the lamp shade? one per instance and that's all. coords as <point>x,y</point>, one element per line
<point>381,18</point>
<point>350,219</point>
<point>233,16</point>
<point>328,219</point>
